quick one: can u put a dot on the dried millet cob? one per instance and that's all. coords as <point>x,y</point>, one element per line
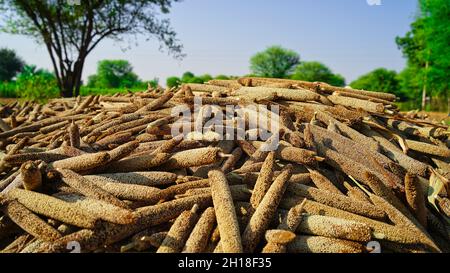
<point>277,241</point>
<point>147,217</point>
<point>322,182</point>
<point>53,127</point>
<point>18,159</point>
<point>179,232</point>
<point>155,104</point>
<point>264,180</point>
<point>283,93</point>
<point>29,222</point>
<point>356,193</point>
<point>345,164</point>
<point>198,239</point>
<point>31,176</point>
<point>192,158</point>
<point>99,209</point>
<point>380,230</point>
<point>138,163</point>
<point>145,242</point>
<point>238,192</point>
<point>248,148</point>
<point>402,221</point>
<point>122,151</point>
<point>387,194</point>
<point>53,208</point>
<point>357,103</point>
<point>127,191</point>
<point>230,162</point>
<point>74,135</point>
<point>118,138</point>
<point>289,223</point>
<point>334,228</point>
<point>225,212</point>
<point>151,179</point>
<point>256,167</point>
<point>393,152</point>
<point>367,157</point>
<point>265,211</point>
<point>335,200</point>
<point>319,244</point>
<point>82,162</point>
<point>428,148</point>
<point>88,189</point>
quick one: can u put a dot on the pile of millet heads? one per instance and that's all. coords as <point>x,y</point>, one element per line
<point>106,173</point>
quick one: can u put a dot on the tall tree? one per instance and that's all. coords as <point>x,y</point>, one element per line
<point>274,62</point>
<point>426,48</point>
<point>114,74</point>
<point>10,64</point>
<point>380,79</point>
<point>71,31</point>
<point>317,72</point>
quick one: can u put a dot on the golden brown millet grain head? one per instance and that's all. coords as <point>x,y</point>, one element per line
<point>338,201</point>
<point>319,244</point>
<point>143,162</point>
<point>179,232</point>
<point>264,180</point>
<point>192,158</point>
<point>225,212</point>
<point>53,208</point>
<point>127,191</point>
<point>334,228</point>
<point>279,236</point>
<point>100,209</point>
<point>30,222</point>
<point>198,239</point>
<point>83,162</point>
<point>415,199</point>
<point>230,162</point>
<point>87,188</point>
<point>264,213</point>
<point>31,176</point>
<point>322,182</point>
<point>74,135</point>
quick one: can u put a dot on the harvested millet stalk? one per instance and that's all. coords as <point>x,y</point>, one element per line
<point>88,189</point>
<point>265,211</point>
<point>53,208</point>
<point>334,228</point>
<point>29,222</point>
<point>225,213</point>
<point>179,232</point>
<point>199,236</point>
<point>31,176</point>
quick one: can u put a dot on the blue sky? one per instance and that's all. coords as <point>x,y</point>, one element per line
<point>219,37</point>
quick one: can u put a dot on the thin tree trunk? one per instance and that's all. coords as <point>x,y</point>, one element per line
<point>424,90</point>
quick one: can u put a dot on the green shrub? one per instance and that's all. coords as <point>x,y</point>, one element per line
<point>8,90</point>
<point>195,80</point>
<point>173,82</point>
<point>36,84</point>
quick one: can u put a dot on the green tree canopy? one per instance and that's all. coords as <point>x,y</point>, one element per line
<point>274,62</point>
<point>173,82</point>
<point>187,76</point>
<point>10,64</point>
<point>426,47</point>
<point>114,74</point>
<point>380,79</point>
<point>70,32</point>
<point>317,72</point>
